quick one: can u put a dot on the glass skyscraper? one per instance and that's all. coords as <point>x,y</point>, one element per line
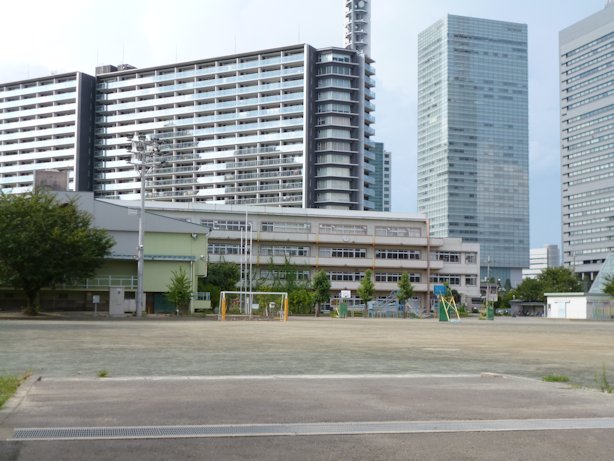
<point>473,172</point>
<point>587,146</point>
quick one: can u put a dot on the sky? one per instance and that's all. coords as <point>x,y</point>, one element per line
<point>43,37</point>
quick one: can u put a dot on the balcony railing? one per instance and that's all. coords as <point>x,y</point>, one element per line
<point>106,282</point>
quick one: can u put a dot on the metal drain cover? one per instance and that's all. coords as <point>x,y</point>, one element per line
<point>343,428</point>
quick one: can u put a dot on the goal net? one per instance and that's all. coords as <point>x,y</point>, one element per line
<point>263,304</point>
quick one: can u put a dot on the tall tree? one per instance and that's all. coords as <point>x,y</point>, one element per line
<point>300,301</point>
<point>366,290</point>
<point>529,290</point>
<point>608,287</point>
<point>559,280</point>
<point>321,289</point>
<point>44,243</point>
<point>179,290</point>
<point>406,290</point>
<point>550,280</point>
<point>289,278</point>
<point>286,278</point>
<point>221,276</point>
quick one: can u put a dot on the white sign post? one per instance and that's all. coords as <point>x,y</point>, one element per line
<point>96,301</point>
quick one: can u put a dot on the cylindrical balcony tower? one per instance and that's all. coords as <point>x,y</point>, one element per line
<point>358,26</point>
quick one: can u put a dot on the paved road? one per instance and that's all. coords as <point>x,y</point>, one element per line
<point>247,403</point>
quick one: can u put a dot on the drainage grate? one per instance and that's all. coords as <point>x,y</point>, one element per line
<point>346,428</point>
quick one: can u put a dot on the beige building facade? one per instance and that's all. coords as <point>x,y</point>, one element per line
<point>345,244</point>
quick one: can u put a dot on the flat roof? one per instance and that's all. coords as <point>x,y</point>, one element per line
<point>46,77</point>
<point>588,25</point>
<point>578,295</point>
<point>196,61</point>
<point>270,211</point>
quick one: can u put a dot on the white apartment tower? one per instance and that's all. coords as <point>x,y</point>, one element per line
<point>289,126</point>
<point>46,124</point>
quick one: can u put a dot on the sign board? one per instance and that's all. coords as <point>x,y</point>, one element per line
<point>439,290</point>
<point>345,294</point>
<point>50,180</point>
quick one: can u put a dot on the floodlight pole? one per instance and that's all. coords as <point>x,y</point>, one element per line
<point>140,292</point>
<point>144,150</point>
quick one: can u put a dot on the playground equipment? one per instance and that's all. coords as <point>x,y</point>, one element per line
<point>227,296</point>
<point>447,304</point>
<point>386,307</point>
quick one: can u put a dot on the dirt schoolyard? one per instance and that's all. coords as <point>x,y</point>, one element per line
<point>530,347</point>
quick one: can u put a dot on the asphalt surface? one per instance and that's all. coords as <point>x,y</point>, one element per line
<point>248,402</point>
<point>339,374</point>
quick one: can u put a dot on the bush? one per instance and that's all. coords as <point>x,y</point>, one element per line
<point>556,379</point>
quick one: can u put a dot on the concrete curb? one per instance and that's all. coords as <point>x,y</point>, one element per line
<point>342,376</point>
<point>338,376</point>
<point>13,403</point>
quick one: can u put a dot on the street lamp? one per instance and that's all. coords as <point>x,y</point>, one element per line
<point>144,151</point>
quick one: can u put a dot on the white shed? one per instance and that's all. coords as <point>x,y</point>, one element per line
<point>583,306</point>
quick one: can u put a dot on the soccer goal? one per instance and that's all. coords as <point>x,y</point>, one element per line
<point>268,304</point>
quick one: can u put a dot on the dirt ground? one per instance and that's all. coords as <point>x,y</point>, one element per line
<point>529,347</point>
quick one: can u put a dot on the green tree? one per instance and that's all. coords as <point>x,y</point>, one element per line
<point>300,301</point>
<point>179,290</point>
<point>550,280</point>
<point>529,290</point>
<point>559,280</point>
<point>44,243</point>
<point>286,279</point>
<point>608,287</point>
<point>221,276</point>
<point>406,290</point>
<point>452,292</point>
<point>321,289</point>
<point>366,290</point>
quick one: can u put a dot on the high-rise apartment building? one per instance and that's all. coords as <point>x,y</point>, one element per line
<point>289,126</point>
<point>382,178</point>
<point>473,157</point>
<point>587,146</point>
<point>46,124</point>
